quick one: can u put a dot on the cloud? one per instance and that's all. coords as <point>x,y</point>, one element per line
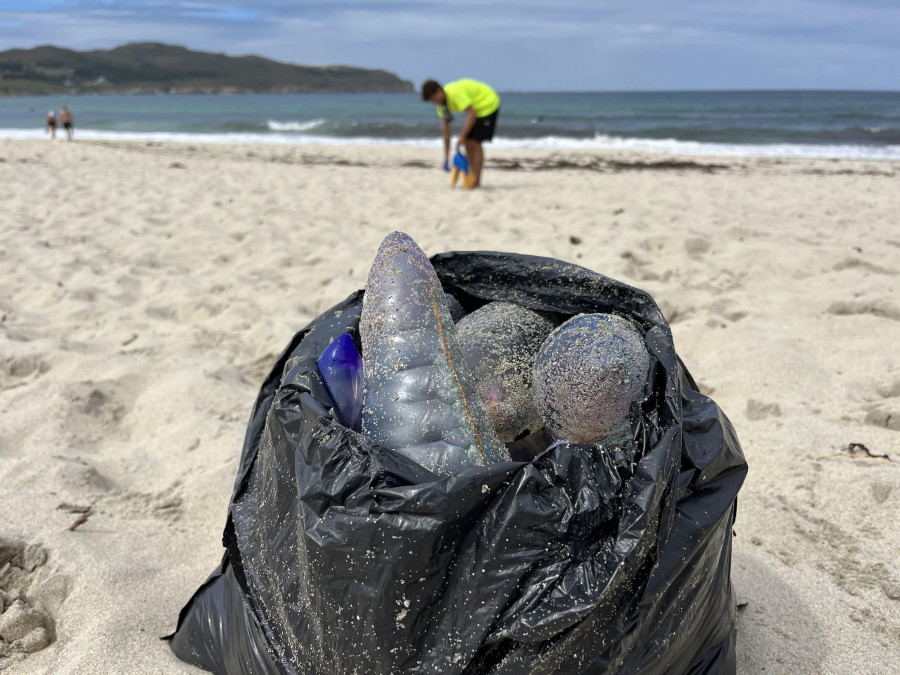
<point>569,44</point>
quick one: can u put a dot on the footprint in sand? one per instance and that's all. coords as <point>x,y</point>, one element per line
<point>865,265</point>
<point>676,313</point>
<point>696,247</point>
<point>637,267</point>
<point>229,374</point>
<point>130,288</point>
<point>881,490</point>
<point>165,505</point>
<point>759,410</point>
<point>190,312</point>
<point>30,596</point>
<point>256,371</point>
<point>87,294</point>
<point>891,390</point>
<point>727,310</point>
<point>879,308</point>
<point>198,311</point>
<point>21,333</point>
<point>847,561</point>
<point>16,371</point>
<point>884,415</point>
<point>96,410</point>
<point>76,478</point>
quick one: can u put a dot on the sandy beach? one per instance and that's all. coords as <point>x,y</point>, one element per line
<point>147,288</point>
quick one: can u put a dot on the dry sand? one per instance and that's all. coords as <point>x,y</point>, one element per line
<point>146,288</point>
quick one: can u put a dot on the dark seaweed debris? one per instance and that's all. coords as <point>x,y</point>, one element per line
<point>587,163</point>
<point>858,451</point>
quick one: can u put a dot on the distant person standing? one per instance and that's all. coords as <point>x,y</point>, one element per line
<point>481,105</point>
<point>68,122</point>
<point>50,123</point>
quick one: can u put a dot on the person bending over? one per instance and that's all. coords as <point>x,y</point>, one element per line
<point>481,105</point>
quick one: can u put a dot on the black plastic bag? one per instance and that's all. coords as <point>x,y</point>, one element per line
<point>346,557</point>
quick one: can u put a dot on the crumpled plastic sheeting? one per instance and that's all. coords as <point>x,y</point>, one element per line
<point>346,557</point>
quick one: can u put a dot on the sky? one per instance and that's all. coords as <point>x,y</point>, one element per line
<point>515,45</point>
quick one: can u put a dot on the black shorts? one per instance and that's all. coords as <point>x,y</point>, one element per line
<point>67,125</point>
<point>483,129</point>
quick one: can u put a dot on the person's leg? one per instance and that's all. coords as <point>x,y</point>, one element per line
<point>476,160</point>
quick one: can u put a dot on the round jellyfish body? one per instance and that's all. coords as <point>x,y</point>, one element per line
<point>587,374</point>
<point>500,341</point>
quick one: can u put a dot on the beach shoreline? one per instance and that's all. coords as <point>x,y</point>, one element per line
<point>811,124</point>
<point>601,145</point>
<point>149,286</point>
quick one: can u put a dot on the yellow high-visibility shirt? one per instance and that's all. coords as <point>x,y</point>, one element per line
<point>464,93</point>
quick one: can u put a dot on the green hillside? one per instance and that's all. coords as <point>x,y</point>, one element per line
<point>154,68</point>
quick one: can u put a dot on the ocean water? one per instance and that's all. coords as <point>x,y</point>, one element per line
<point>771,123</point>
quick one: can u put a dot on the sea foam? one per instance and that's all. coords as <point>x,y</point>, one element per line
<point>275,125</point>
<point>600,142</point>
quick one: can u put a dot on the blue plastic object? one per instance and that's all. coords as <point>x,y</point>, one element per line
<point>446,166</point>
<point>341,368</point>
<point>461,162</point>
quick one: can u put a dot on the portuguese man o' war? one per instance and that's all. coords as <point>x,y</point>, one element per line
<point>341,368</point>
<point>500,341</point>
<point>418,396</point>
<point>457,311</point>
<point>586,376</point>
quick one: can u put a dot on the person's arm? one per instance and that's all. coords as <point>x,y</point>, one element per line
<point>467,127</point>
<point>446,126</point>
